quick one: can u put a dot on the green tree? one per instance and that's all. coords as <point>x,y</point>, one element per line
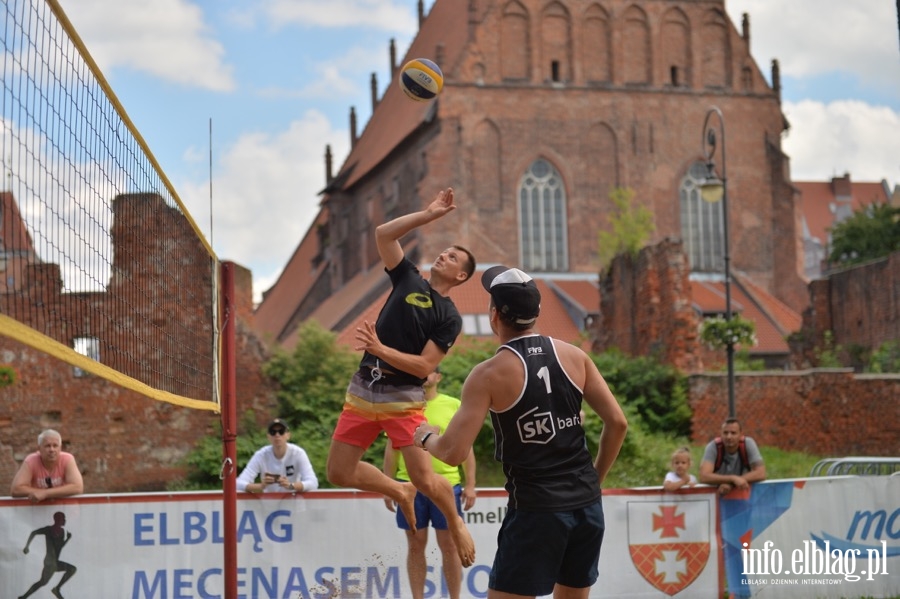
<point>655,391</point>
<point>312,382</point>
<point>871,232</point>
<point>630,227</point>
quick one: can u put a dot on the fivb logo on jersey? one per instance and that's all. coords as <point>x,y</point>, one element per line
<point>541,427</point>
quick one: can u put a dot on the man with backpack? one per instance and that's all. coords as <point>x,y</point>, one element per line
<point>732,461</point>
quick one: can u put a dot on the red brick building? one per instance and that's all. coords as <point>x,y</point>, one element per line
<point>546,108</point>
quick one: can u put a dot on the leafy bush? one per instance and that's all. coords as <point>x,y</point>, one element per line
<point>657,392</point>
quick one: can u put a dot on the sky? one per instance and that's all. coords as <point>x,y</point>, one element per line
<point>237,99</point>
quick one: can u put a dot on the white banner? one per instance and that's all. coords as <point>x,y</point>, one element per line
<point>814,538</point>
<point>322,544</point>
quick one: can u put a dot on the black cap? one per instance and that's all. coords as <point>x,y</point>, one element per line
<point>278,422</point>
<point>514,292</point>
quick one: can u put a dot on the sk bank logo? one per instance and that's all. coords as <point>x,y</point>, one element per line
<point>669,542</point>
<point>536,427</point>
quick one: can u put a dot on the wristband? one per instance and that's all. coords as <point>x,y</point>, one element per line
<point>425,438</point>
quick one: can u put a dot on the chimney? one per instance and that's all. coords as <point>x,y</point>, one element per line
<point>776,78</point>
<point>745,28</point>
<point>393,59</point>
<point>421,13</point>
<point>328,163</point>
<point>374,86</point>
<point>352,127</point>
<point>842,188</point>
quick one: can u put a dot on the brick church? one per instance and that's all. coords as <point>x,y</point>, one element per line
<point>546,108</point>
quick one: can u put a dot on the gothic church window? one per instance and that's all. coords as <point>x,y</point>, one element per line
<point>701,224</point>
<point>514,42</point>
<point>716,51</point>
<point>542,218</point>
<point>636,47</point>
<point>556,43</point>
<point>596,45</point>
<point>676,36</point>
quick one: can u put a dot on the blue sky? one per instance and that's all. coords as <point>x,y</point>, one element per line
<point>276,80</point>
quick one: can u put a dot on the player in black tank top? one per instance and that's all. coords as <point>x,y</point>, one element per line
<point>540,438</point>
<point>533,388</point>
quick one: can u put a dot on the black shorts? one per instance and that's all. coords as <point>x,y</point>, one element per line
<point>537,550</point>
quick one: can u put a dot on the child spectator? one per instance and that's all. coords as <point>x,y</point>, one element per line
<point>680,476</point>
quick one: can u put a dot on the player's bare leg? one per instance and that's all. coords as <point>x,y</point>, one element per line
<point>439,490</point>
<point>345,468</point>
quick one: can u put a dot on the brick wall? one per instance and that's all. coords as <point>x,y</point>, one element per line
<point>645,307</point>
<point>122,440</point>
<point>830,413</point>
<point>857,305</point>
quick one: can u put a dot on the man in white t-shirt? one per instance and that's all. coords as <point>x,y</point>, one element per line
<point>281,466</point>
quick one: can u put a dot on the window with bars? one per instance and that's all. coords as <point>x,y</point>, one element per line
<point>86,346</point>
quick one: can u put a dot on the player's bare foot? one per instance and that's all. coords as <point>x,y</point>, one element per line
<point>408,505</point>
<point>465,546</point>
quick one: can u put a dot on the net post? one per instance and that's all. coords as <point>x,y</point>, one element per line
<point>229,430</point>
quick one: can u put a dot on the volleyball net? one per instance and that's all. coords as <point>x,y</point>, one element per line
<point>101,265</point>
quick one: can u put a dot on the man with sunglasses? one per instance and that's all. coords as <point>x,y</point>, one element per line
<point>49,472</point>
<point>281,466</point>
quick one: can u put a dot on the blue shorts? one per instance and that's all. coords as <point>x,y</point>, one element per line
<point>537,550</point>
<point>427,512</point>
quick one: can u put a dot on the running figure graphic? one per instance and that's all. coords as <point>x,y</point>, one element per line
<point>56,537</point>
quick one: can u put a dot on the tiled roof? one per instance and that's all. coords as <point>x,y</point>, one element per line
<point>285,296</point>
<point>818,200</point>
<point>773,320</point>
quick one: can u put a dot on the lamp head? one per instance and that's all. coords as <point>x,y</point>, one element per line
<point>712,189</point>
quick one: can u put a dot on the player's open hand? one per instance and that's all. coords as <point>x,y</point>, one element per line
<point>367,339</point>
<point>442,203</point>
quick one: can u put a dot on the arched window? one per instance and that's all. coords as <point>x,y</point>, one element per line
<point>542,218</point>
<point>701,224</point>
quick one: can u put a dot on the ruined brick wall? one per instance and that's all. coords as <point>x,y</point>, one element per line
<point>858,306</point>
<point>645,307</point>
<point>123,440</point>
<point>823,412</point>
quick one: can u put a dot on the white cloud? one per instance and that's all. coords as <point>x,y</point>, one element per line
<point>385,15</point>
<point>815,37</point>
<point>265,194</point>
<point>847,136</point>
<point>165,38</point>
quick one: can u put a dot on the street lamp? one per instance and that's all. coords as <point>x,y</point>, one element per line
<point>714,189</point>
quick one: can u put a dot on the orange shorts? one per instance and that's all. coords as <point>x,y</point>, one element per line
<point>370,408</point>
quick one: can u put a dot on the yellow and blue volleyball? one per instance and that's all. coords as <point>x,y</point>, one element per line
<point>421,79</point>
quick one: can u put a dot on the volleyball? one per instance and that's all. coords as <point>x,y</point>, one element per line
<point>421,80</point>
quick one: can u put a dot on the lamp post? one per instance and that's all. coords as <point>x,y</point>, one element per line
<point>714,189</point>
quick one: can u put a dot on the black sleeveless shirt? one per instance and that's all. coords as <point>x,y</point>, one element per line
<point>540,440</point>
